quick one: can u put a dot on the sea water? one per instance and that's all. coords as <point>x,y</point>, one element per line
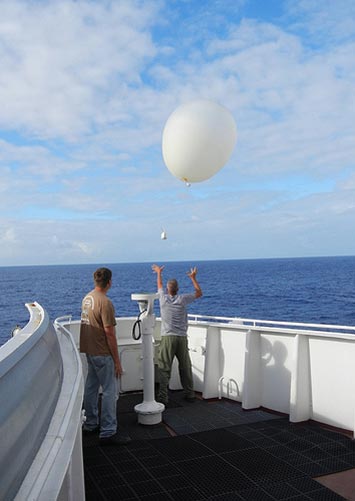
<point>315,290</point>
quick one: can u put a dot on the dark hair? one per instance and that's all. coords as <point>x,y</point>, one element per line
<point>102,276</point>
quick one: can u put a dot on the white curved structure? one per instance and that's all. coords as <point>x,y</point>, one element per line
<point>41,388</point>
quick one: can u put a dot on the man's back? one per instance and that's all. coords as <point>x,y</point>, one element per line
<point>97,312</point>
<point>174,313</point>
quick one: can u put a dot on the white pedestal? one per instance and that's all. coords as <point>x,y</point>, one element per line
<point>149,411</point>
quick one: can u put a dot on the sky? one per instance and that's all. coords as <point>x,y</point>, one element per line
<point>86,88</point>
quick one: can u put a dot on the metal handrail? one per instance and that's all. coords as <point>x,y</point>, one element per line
<point>260,323</point>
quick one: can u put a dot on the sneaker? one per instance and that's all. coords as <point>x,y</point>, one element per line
<point>89,432</point>
<point>115,440</point>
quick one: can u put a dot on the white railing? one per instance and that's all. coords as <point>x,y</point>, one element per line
<point>273,323</point>
<point>304,370</point>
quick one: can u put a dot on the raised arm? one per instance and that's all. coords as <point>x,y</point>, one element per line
<point>158,270</point>
<point>192,274</point>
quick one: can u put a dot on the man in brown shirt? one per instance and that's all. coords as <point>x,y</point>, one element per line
<point>98,341</point>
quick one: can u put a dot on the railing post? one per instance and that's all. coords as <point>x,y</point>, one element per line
<point>251,389</point>
<point>212,368</point>
<point>300,391</point>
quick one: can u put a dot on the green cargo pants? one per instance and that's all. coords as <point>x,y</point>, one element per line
<point>171,346</point>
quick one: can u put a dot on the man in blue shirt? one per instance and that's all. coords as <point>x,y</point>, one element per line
<point>173,312</point>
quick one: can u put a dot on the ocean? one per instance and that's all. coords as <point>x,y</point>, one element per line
<point>314,290</point>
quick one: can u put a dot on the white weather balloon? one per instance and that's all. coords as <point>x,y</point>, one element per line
<point>198,140</point>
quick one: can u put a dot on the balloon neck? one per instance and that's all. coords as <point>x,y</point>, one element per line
<point>186,182</point>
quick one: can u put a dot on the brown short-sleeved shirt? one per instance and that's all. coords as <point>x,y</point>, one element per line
<point>97,312</point>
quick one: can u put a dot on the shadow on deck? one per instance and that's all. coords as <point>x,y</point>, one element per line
<point>215,450</point>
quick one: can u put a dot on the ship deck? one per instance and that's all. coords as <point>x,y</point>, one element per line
<point>217,450</point>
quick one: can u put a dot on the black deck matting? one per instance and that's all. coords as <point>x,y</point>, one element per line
<point>257,456</point>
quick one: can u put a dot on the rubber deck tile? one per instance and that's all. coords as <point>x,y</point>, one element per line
<point>163,471</point>
<point>333,465</point>
<point>325,495</point>
<point>222,441</point>
<point>148,486</point>
<point>157,496</point>
<point>312,469</point>
<point>212,475</point>
<point>113,493</point>
<point>260,456</point>
<point>228,496</point>
<point>349,458</point>
<point>316,454</point>
<point>334,448</point>
<point>175,482</point>
<point>181,448</point>
<point>255,494</point>
<point>304,484</point>
<point>293,459</point>
<point>185,494</point>
<point>281,491</point>
<point>260,465</point>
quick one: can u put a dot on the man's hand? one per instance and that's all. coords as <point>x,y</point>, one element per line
<point>157,269</point>
<point>112,345</point>
<point>192,273</point>
<point>118,369</point>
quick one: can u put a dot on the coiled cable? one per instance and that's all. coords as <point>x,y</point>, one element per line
<point>136,324</point>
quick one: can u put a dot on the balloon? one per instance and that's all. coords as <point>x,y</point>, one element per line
<point>198,140</point>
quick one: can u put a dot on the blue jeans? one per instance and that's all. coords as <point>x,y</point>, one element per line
<point>101,372</point>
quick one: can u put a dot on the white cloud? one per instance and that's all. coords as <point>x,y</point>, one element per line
<point>9,236</point>
<point>86,88</point>
<point>326,22</point>
<point>59,60</point>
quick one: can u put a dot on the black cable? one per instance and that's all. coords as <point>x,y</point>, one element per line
<point>137,323</point>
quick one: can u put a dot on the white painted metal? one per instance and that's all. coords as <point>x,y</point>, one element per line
<point>304,370</point>
<point>212,369</point>
<point>333,381</point>
<point>230,382</point>
<point>131,361</point>
<point>300,391</point>
<point>149,411</point>
<point>232,371</point>
<point>252,396</point>
<point>40,419</point>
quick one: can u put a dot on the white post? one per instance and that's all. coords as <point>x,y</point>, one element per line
<point>252,383</point>
<point>300,390</point>
<point>149,411</point>
<point>147,327</point>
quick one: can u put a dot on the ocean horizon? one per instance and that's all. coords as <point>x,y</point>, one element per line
<point>97,264</point>
<point>309,289</point>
